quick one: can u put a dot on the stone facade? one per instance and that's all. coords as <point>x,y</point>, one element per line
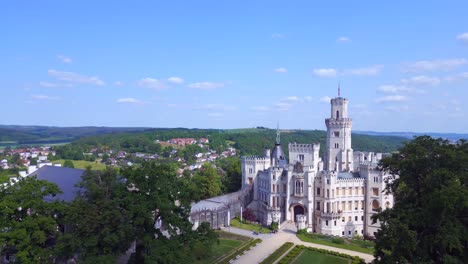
<point>335,196</point>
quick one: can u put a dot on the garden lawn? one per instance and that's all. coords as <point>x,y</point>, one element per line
<point>83,164</point>
<point>308,256</point>
<point>354,245</point>
<point>251,227</point>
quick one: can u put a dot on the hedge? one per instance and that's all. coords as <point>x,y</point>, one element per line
<point>298,249</point>
<point>275,255</point>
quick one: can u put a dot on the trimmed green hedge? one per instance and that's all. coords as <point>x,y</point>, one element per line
<point>280,251</point>
<point>239,251</point>
<point>298,249</point>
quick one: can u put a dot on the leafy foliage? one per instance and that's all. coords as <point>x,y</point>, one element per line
<point>208,181</point>
<point>249,215</point>
<point>68,164</point>
<point>428,222</point>
<point>28,222</point>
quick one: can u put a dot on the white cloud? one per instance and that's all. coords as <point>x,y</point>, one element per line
<point>463,37</point>
<point>48,84</point>
<point>261,108</point>
<point>215,114</point>
<point>433,65</point>
<point>217,107</point>
<point>394,108</point>
<point>325,72</point>
<point>281,70</point>
<point>44,97</point>
<point>283,106</point>
<point>290,99</point>
<point>64,59</point>
<point>152,83</point>
<point>278,35</point>
<point>119,83</point>
<point>75,77</point>
<point>343,39</point>
<point>308,98</point>
<point>366,71</point>
<point>175,80</point>
<point>421,80</point>
<point>392,98</point>
<point>325,99</point>
<point>130,100</point>
<point>206,85</point>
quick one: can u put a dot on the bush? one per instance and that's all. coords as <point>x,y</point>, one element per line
<point>337,240</point>
<point>249,215</point>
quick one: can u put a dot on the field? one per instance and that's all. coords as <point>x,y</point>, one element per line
<point>82,164</point>
<point>355,245</point>
<point>308,256</point>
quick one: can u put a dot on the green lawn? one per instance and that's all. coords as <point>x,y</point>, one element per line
<point>355,245</point>
<point>225,246</point>
<point>308,256</point>
<point>82,164</point>
<point>251,227</point>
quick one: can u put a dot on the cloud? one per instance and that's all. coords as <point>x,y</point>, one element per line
<point>281,70</point>
<point>261,108</point>
<point>64,59</point>
<point>283,106</point>
<point>75,77</point>
<point>308,98</point>
<point>421,80</point>
<point>394,108</point>
<point>291,99</point>
<point>343,40</point>
<point>278,36</point>
<point>393,89</point>
<point>217,107</point>
<point>392,98</point>
<point>54,85</point>
<point>215,114</point>
<point>119,83</point>
<point>205,85</point>
<point>152,83</point>
<point>463,37</point>
<point>366,71</point>
<point>325,72</point>
<point>175,80</point>
<point>130,100</point>
<point>433,65</point>
<point>44,97</point>
<point>325,99</point>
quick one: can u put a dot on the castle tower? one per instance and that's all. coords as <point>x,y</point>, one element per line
<point>339,154</point>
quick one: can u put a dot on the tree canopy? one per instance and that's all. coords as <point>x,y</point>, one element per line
<point>428,223</point>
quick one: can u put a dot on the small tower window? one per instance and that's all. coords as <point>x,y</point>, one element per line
<point>337,114</point>
<point>336,133</point>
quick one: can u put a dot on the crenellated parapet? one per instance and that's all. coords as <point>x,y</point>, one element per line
<point>303,148</point>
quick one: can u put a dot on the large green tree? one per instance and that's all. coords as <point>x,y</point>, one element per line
<point>98,219</point>
<point>208,181</point>
<point>28,222</point>
<point>428,223</point>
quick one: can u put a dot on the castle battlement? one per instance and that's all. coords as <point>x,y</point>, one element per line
<point>295,147</point>
<point>355,180</point>
<point>254,158</point>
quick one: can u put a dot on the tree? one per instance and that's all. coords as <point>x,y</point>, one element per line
<point>232,180</point>
<point>68,164</point>
<point>208,181</point>
<point>99,219</point>
<point>29,222</point>
<point>249,215</point>
<point>428,223</point>
<point>160,213</point>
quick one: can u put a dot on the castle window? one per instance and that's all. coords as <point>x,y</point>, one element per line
<point>328,193</point>
<point>336,133</point>
<point>301,157</point>
<point>318,206</point>
<point>375,191</point>
<point>342,219</point>
<point>284,188</point>
<point>342,233</point>
<point>335,223</point>
<point>355,218</point>
<point>375,205</point>
<point>318,191</point>
<point>337,114</point>
<point>326,222</point>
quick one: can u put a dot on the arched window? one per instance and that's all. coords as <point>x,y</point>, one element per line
<point>337,114</point>
<point>375,205</point>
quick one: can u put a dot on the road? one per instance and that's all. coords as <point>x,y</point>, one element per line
<point>271,242</point>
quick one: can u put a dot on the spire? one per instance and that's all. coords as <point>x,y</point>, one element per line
<point>278,141</point>
<point>339,90</point>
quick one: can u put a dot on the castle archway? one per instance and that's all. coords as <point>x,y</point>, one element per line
<point>297,209</point>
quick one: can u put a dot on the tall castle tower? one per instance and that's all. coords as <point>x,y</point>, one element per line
<point>339,154</point>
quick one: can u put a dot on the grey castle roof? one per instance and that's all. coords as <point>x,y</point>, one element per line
<point>64,178</point>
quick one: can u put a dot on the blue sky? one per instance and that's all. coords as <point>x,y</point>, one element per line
<point>403,65</point>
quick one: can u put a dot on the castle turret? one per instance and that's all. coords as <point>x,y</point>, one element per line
<point>339,154</point>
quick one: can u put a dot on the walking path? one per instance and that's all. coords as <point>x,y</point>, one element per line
<point>271,242</point>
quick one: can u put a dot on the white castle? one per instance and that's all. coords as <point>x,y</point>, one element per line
<point>335,196</point>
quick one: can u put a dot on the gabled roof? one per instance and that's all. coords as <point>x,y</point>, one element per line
<point>65,178</point>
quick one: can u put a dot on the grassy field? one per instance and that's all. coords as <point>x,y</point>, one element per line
<point>308,256</point>
<point>82,164</point>
<point>355,245</point>
<point>228,242</point>
<point>251,227</point>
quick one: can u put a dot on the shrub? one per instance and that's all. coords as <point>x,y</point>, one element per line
<point>249,215</point>
<point>337,240</point>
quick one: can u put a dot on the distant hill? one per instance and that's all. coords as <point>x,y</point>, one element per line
<point>28,135</point>
<point>410,135</point>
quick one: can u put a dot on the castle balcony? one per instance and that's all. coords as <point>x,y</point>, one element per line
<point>331,215</point>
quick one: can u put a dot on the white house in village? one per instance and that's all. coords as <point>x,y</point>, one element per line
<point>336,196</point>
